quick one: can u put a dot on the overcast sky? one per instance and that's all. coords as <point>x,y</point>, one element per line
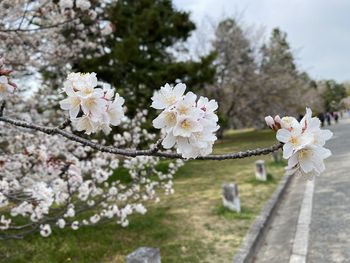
<point>318,30</point>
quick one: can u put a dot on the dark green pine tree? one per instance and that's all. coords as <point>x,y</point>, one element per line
<point>333,94</point>
<point>140,60</point>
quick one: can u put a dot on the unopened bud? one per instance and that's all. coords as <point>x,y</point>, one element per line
<point>277,119</point>
<point>273,123</point>
<point>269,121</point>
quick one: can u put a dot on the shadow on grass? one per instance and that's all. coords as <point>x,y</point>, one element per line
<point>269,180</point>
<point>245,214</point>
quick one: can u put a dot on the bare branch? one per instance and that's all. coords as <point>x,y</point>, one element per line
<point>2,108</point>
<point>64,124</point>
<point>133,153</point>
<point>39,28</point>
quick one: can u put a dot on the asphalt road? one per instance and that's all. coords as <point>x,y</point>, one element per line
<point>330,224</point>
<point>329,233</point>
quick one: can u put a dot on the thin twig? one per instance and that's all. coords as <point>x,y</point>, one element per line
<point>16,30</point>
<point>64,124</point>
<point>133,153</point>
<point>2,108</point>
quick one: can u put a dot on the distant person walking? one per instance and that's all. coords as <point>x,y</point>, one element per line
<point>321,117</point>
<point>328,118</point>
<point>336,117</point>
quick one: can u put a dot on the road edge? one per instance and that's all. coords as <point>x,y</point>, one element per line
<point>258,229</point>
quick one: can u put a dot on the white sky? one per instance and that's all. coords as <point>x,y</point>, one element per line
<point>317,29</point>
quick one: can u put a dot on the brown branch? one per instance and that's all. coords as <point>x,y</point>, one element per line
<point>64,124</point>
<point>2,108</point>
<point>133,153</point>
<point>38,28</point>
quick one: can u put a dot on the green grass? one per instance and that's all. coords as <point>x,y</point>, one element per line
<point>189,226</point>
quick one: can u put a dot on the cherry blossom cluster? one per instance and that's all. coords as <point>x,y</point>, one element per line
<point>303,142</point>
<point>188,123</point>
<point>31,31</point>
<point>91,108</point>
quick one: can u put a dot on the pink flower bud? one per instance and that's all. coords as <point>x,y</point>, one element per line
<point>269,121</point>
<point>278,119</point>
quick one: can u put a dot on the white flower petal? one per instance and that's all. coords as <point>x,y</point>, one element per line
<point>283,135</point>
<point>169,141</point>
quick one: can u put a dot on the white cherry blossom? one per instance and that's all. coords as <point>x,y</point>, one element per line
<point>168,96</point>
<point>61,223</point>
<point>303,142</point>
<point>188,124</point>
<point>97,108</point>
<point>294,139</point>
<point>309,160</point>
<point>83,4</point>
<point>86,124</point>
<point>71,103</point>
<point>45,230</point>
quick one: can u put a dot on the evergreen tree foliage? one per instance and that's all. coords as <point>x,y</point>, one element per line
<point>139,54</point>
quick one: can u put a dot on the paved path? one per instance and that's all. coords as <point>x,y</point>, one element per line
<point>328,237</point>
<point>330,225</point>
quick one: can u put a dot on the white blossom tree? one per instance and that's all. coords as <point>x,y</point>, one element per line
<point>43,33</point>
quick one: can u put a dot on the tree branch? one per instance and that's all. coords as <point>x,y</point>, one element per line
<point>38,28</point>
<point>133,153</point>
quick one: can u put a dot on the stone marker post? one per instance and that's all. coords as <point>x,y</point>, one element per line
<point>144,255</point>
<point>276,156</point>
<point>230,197</point>
<point>260,170</point>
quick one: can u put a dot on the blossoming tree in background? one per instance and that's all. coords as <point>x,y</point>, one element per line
<point>41,33</point>
<point>82,161</point>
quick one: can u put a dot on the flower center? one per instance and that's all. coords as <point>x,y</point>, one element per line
<point>90,102</point>
<point>183,110</point>
<point>87,91</point>
<point>75,101</point>
<point>170,117</point>
<point>303,153</point>
<point>185,124</point>
<point>294,140</point>
<point>171,100</point>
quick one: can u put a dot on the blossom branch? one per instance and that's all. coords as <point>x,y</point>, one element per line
<point>16,30</point>
<point>133,153</point>
<point>64,124</point>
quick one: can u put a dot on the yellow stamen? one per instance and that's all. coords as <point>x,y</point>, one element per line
<point>171,100</point>
<point>170,117</point>
<point>185,124</point>
<point>183,110</point>
<point>294,140</point>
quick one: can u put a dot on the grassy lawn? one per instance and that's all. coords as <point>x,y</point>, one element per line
<point>189,226</point>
